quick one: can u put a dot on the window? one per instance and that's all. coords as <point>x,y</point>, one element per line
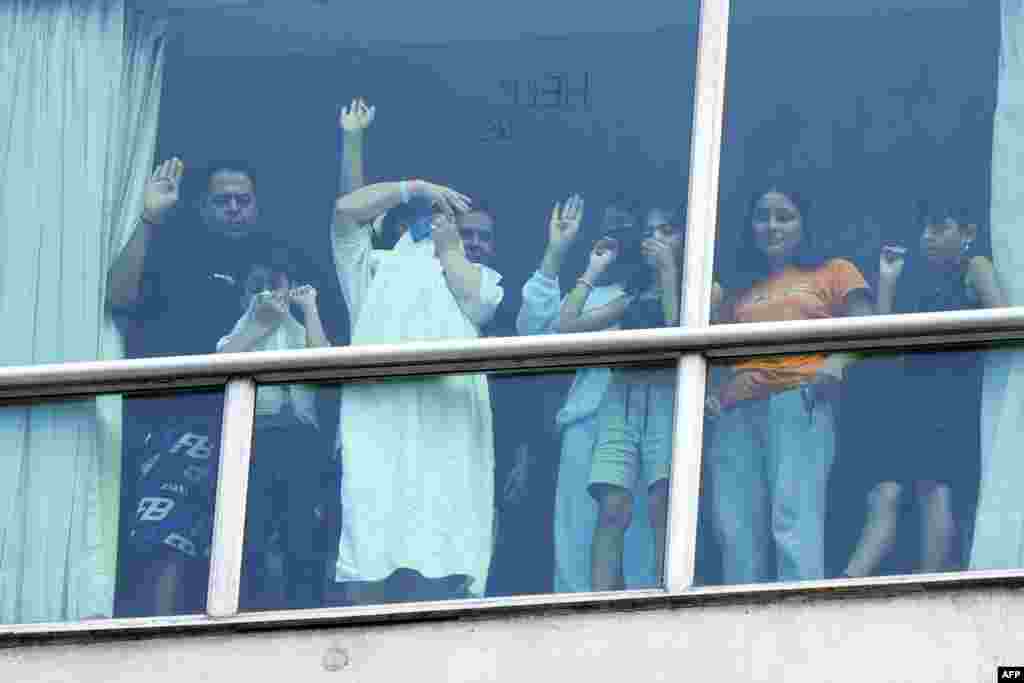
<point>870,471</point>
<point>109,505</point>
<point>393,219</point>
<point>459,486</point>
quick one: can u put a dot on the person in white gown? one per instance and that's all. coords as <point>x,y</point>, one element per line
<point>417,454</point>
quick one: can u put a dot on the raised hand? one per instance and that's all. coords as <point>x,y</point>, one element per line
<point>446,234</point>
<point>270,309</point>
<point>356,117</point>
<point>304,297</point>
<point>163,189</point>
<point>891,262</point>
<point>445,199</point>
<point>564,225</point>
<point>659,255</point>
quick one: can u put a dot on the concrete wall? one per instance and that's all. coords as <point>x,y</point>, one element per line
<point>952,635</point>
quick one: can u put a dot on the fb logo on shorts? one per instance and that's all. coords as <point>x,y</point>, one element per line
<point>154,509</point>
<point>181,543</point>
<point>196,445</point>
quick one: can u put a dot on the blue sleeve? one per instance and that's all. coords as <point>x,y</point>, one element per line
<point>542,300</point>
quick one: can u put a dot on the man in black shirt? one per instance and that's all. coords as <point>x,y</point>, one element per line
<point>172,289</point>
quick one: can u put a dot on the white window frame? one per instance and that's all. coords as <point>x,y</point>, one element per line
<point>689,347</point>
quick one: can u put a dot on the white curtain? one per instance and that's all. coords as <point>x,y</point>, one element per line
<point>79,95</point>
<point>999,529</point>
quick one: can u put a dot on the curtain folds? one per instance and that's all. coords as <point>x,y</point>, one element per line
<point>999,529</point>
<point>79,96</point>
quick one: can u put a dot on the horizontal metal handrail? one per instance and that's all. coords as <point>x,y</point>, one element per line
<point>512,353</point>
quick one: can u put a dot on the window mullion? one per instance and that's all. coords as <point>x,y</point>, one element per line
<point>702,217</point>
<point>232,486</point>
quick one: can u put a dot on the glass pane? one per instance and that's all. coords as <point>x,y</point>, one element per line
<point>458,486</point>
<point>856,181</point>
<point>493,125</point>
<point>861,464</point>
<point>108,504</point>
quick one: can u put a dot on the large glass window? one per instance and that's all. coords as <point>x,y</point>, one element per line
<point>857,170</point>
<point>105,516</point>
<point>459,486</point>
<point>851,465</point>
<point>159,155</point>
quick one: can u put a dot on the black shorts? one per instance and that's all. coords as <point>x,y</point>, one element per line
<point>176,488</point>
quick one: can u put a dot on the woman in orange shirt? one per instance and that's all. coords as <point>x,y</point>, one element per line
<point>773,443</point>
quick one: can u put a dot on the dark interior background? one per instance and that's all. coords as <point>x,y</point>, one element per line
<point>865,115</point>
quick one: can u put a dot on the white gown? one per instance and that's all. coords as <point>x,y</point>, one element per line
<point>417,454</point>
<point>999,528</point>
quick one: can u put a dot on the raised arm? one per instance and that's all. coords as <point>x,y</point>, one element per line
<point>571,317</point>
<point>161,197</point>
<point>353,121</point>
<point>660,254</point>
<point>541,293</point>
<point>365,204</point>
<point>463,276</point>
<point>305,298</point>
<point>890,267</point>
<point>268,312</point>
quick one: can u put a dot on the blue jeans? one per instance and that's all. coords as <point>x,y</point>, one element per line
<point>769,463</point>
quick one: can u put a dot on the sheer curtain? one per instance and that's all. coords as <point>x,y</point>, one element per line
<point>79,95</point>
<point>999,530</point>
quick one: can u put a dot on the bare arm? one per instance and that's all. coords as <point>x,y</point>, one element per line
<point>268,312</point>
<point>125,278</point>
<point>890,268</point>
<point>305,298</point>
<point>246,339</point>
<point>670,298</point>
<point>572,318</point>
<point>354,121</point>
<point>563,228</point>
<point>366,203</point>
<point>659,254</point>
<point>363,205</point>
<point>463,276</point>
<point>982,277</point>
<point>161,196</point>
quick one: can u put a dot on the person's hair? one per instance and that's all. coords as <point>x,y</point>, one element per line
<point>198,181</point>
<point>620,271</point>
<point>936,210</point>
<point>750,265</point>
<point>273,255</point>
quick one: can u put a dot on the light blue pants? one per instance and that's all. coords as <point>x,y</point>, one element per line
<point>576,517</point>
<point>769,463</point>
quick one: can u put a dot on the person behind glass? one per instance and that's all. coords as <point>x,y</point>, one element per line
<point>773,443</point>
<point>635,419</point>
<point>171,290</point>
<point>936,412</point>
<point>286,465</point>
<point>541,312</point>
<point>417,455</point>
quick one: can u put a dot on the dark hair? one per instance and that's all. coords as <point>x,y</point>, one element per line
<point>936,210</point>
<point>626,234</point>
<point>750,265</point>
<point>197,183</point>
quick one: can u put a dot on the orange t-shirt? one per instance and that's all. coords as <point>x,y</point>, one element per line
<point>793,294</point>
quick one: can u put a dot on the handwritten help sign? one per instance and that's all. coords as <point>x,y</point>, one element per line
<point>553,91</point>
